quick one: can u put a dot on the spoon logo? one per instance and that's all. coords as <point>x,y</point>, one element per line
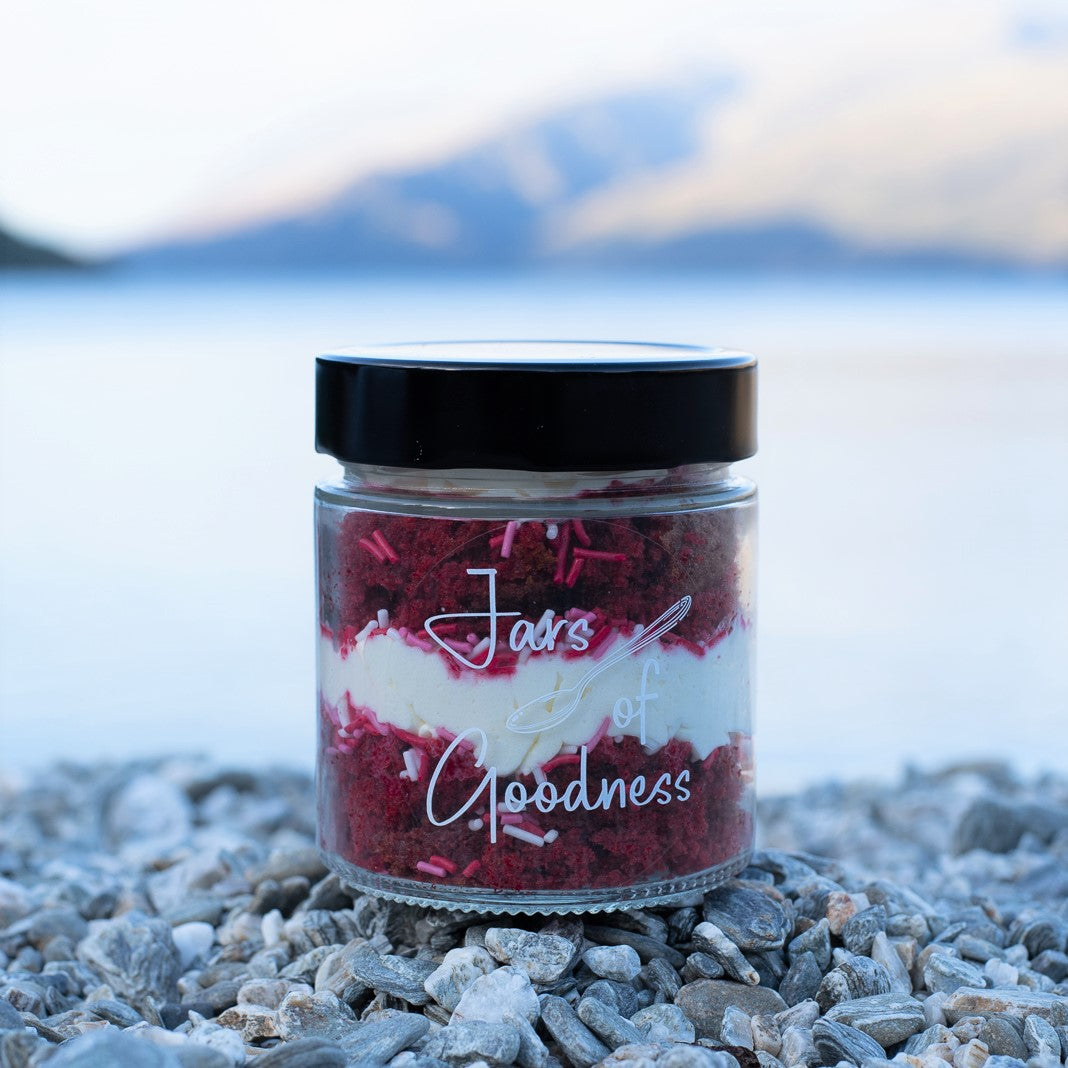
<point>549,709</point>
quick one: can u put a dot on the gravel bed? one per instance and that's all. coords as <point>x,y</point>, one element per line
<point>165,914</point>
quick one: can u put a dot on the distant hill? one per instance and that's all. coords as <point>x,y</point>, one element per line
<point>17,254</point>
<point>926,166</point>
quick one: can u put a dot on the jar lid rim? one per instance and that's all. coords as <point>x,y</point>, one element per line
<point>536,405</point>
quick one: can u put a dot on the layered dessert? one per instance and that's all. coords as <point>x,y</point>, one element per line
<point>536,705</point>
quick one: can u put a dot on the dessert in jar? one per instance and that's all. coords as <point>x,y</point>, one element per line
<point>535,598</point>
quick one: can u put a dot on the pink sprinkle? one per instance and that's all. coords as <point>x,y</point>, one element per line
<point>560,761</point>
<point>509,539</point>
<point>446,735</point>
<point>510,819</point>
<point>597,554</point>
<point>496,540</point>
<point>460,647</point>
<point>603,648</point>
<point>580,531</point>
<point>576,570</point>
<point>472,868</point>
<point>373,722</point>
<point>598,734</point>
<point>418,643</point>
<point>598,638</point>
<point>561,553</point>
<point>385,546</point>
<point>530,826</point>
<point>373,549</point>
<point>431,869</point>
<point>443,862</point>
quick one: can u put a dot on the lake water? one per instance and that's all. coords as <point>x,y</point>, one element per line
<point>156,466</point>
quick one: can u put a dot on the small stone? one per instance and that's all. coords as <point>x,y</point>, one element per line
<point>882,952</point>
<point>620,963</point>
<point>545,958</point>
<point>968,1027</point>
<point>802,1015</point>
<point>857,977</point>
<point>304,1053</point>
<point>467,1043</point>
<point>887,1018</point>
<point>460,968</point>
<point>933,1009</point>
<point>607,1024</point>
<point>840,908</point>
<point>286,863</point>
<point>149,807</point>
<point>710,939</point>
<point>663,978</point>
<point>110,1047</point>
<point>193,941</point>
<point>860,930</point>
<point>1053,963</point>
<point>1041,1040</point>
<point>802,980</point>
<point>946,974</point>
<point>767,1036</point>
<point>977,949</point>
<point>134,954</point>
<point>269,993</point>
<point>11,1020</point>
<point>817,941</point>
<point>322,1015</point>
<point>403,977</point>
<point>532,1051</point>
<point>579,1044</point>
<point>751,919</point>
<point>1004,1062</point>
<point>700,965</point>
<point>705,1000</point>
<point>664,1023</point>
<point>491,996</point>
<point>937,1034</point>
<point>798,1048</point>
<point>381,1040</point>
<point>736,1030</point>
<point>695,1057</point>
<point>972,1054</point>
<point>647,948</point>
<point>1002,1038</point>
<point>115,1012</point>
<point>1018,1003</point>
<point>836,1042</point>
<point>252,1022</point>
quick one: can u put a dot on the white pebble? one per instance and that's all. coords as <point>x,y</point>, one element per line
<point>193,941</point>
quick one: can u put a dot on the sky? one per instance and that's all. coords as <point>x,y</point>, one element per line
<point>122,120</point>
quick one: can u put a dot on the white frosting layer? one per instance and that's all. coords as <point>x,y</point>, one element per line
<point>699,699</point>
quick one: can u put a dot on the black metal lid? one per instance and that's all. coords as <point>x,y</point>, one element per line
<point>536,405</point>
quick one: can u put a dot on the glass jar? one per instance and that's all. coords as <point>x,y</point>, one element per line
<point>535,591</point>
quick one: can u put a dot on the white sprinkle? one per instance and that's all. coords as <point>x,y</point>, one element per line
<point>411,762</point>
<point>552,531</point>
<point>393,633</point>
<point>551,836</point>
<point>383,617</point>
<point>362,636</point>
<point>539,775</point>
<point>541,628</point>
<point>404,775</point>
<point>569,750</point>
<point>523,836</point>
<point>426,731</point>
<point>481,647</point>
<point>474,825</point>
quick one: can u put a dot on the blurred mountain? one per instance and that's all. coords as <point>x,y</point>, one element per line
<point>934,166</point>
<point>18,254</point>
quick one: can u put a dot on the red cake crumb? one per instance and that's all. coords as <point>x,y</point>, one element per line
<point>377,820</point>
<point>661,557</point>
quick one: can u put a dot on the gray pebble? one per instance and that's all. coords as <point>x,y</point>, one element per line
<point>817,941</point>
<point>802,980</point>
<point>836,1042</point>
<point>751,919</point>
<point>460,968</point>
<point>797,1047</point>
<point>943,973</point>
<point>857,977</point>
<point>116,1012</point>
<point>607,1024</point>
<point>708,938</point>
<point>304,1053</point>
<point>579,1045</point>
<point>381,1040</point>
<point>647,948</point>
<point>663,978</point>
<point>320,1015</point>
<point>545,958</point>
<point>664,1023</point>
<point>736,1029</point>
<point>887,1018</point>
<point>705,1000</point>
<point>1002,1038</point>
<point>695,1057</point>
<point>860,931</point>
<point>1018,1003</point>
<point>884,953</point>
<point>532,1051</point>
<point>11,1020</point>
<point>490,996</point>
<point>1004,1062</point>
<point>701,965</point>
<point>135,954</point>
<point>403,977</point>
<point>111,1047</point>
<point>466,1043</point>
<point>1041,1040</point>
<point>620,963</point>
